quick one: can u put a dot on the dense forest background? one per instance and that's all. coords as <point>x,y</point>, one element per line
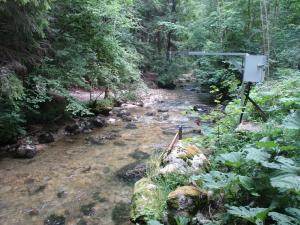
<point>48,47</point>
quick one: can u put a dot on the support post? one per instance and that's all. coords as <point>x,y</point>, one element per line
<point>180,133</point>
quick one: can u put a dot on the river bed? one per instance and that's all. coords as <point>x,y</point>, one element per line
<point>76,180</point>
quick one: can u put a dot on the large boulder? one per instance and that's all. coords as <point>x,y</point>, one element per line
<point>185,202</point>
<point>144,201</point>
<point>183,159</point>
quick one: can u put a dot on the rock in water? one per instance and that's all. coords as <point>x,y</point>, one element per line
<point>120,213</point>
<point>132,172</point>
<point>131,126</point>
<point>163,110</point>
<point>139,155</point>
<point>184,202</point>
<point>55,220</point>
<point>144,200</point>
<point>99,121</point>
<point>25,151</point>
<point>45,138</point>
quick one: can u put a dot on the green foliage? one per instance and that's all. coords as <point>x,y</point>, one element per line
<point>11,98</point>
<point>258,175</point>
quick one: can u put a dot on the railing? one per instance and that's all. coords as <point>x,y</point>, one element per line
<point>177,137</point>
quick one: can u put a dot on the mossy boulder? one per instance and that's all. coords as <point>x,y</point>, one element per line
<point>144,204</point>
<point>185,202</point>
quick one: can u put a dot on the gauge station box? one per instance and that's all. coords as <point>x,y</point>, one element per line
<point>254,70</point>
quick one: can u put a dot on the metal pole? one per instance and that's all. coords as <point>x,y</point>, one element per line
<point>180,133</point>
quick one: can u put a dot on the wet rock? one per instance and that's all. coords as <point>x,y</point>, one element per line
<point>82,222</point>
<point>85,169</point>
<point>144,200</point>
<point>162,110</point>
<point>61,194</point>
<point>72,128</point>
<point>97,140</point>
<point>97,197</point>
<point>184,202</point>
<point>132,172</point>
<point>55,220</point>
<point>112,136</point>
<point>5,189</point>
<point>139,155</point>
<point>45,138</point>
<point>33,212</point>
<point>34,187</point>
<point>26,151</point>
<point>131,126</point>
<point>98,121</point>
<point>106,170</point>
<point>88,210</point>
<point>122,113</point>
<point>127,118</point>
<point>121,213</point>
<point>120,143</point>
<point>150,114</point>
<point>111,121</point>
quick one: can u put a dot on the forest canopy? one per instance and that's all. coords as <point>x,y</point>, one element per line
<point>49,46</point>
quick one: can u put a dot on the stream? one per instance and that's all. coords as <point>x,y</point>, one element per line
<point>75,181</point>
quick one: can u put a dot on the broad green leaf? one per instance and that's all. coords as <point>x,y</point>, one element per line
<point>232,159</point>
<point>257,155</point>
<point>292,121</point>
<point>293,212</point>
<point>216,180</point>
<point>287,182</point>
<point>254,215</point>
<point>283,164</point>
<point>283,219</point>
<point>266,144</point>
<point>153,222</point>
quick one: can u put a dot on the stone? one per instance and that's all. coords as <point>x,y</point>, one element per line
<point>121,213</point>
<point>163,110</point>
<point>248,127</point>
<point>26,151</point>
<point>122,113</point>
<point>85,169</point>
<point>55,220</point>
<point>33,212</point>
<point>88,210</point>
<point>72,128</point>
<point>45,138</point>
<point>132,172</point>
<point>35,187</point>
<point>131,126</point>
<point>61,194</point>
<point>150,114</point>
<point>200,219</point>
<point>120,143</point>
<point>139,155</point>
<point>98,121</point>
<point>111,121</point>
<point>144,201</point>
<point>185,202</point>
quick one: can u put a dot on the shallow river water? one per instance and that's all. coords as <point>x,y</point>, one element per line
<point>77,180</point>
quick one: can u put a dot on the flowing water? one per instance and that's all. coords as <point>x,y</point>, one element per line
<point>76,180</point>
